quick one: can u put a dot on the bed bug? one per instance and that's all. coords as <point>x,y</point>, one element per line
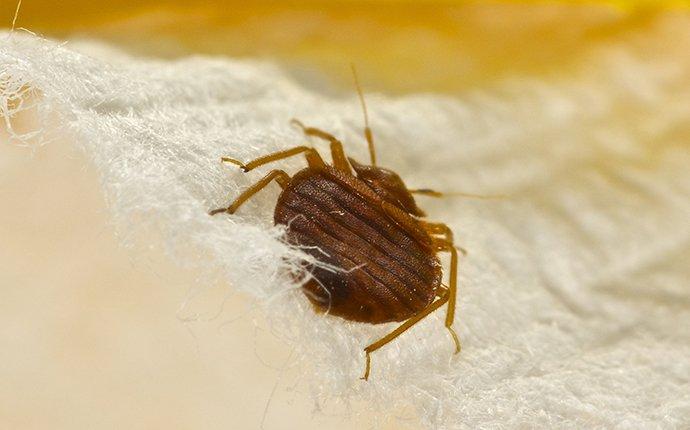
<point>363,219</point>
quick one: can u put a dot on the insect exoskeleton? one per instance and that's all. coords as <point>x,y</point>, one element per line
<point>363,219</point>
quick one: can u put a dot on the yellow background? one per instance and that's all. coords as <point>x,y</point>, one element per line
<point>398,46</point>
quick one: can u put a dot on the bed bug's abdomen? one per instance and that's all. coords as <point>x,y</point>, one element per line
<point>382,272</point>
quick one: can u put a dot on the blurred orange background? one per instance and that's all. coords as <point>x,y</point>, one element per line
<point>399,46</point>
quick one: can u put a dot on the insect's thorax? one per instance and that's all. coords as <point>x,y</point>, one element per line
<point>379,269</point>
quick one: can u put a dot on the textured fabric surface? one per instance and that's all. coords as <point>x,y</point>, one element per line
<point>574,304</point>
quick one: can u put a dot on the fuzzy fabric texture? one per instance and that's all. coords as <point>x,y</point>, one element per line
<point>574,302</point>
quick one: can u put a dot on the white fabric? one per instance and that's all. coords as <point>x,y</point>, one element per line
<point>574,306</point>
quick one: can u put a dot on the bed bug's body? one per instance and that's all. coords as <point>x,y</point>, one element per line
<point>379,257</point>
<point>390,271</point>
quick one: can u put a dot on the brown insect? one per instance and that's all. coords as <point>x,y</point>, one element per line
<point>365,221</point>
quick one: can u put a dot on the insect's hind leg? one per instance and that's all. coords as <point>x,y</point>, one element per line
<point>440,229</point>
<point>279,176</point>
<point>339,160</point>
<point>443,298</point>
<point>447,246</point>
<point>313,158</point>
<point>437,228</point>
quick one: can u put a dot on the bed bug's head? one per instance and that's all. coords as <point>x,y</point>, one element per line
<point>388,185</point>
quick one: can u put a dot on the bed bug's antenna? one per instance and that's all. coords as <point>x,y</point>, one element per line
<point>367,130</point>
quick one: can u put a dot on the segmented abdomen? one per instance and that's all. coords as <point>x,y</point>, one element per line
<point>387,273</point>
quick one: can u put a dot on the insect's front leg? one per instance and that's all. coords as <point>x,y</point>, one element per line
<point>337,153</point>
<point>313,158</point>
<point>278,175</point>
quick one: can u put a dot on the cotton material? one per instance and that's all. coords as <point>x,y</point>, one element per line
<point>574,300</point>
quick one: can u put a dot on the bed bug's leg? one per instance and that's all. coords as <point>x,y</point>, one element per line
<point>401,329</point>
<point>280,177</point>
<point>447,246</point>
<point>437,228</point>
<point>313,158</point>
<point>367,131</point>
<point>339,160</point>
<point>433,193</point>
<point>426,192</point>
<point>447,295</point>
<point>440,229</point>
